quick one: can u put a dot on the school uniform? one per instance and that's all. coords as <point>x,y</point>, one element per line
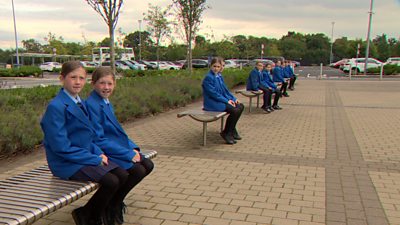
<point>119,148</point>
<point>292,77</point>
<point>267,77</point>
<point>279,77</point>
<point>215,98</point>
<point>69,139</point>
<point>256,82</point>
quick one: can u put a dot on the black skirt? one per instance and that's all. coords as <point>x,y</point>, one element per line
<point>93,173</point>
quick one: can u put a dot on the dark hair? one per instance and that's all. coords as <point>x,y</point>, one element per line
<point>216,60</point>
<point>102,72</point>
<point>70,66</point>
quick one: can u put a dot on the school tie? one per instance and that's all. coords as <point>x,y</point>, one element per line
<point>82,108</point>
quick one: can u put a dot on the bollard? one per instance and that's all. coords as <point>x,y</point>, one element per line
<point>320,72</point>
<point>241,66</point>
<point>381,73</point>
<point>350,73</point>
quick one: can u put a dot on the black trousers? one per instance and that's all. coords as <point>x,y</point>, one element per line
<point>115,185</point>
<point>292,81</point>
<point>283,88</point>
<point>234,115</point>
<point>267,97</point>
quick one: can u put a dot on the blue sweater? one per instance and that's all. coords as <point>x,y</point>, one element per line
<point>255,81</point>
<point>268,80</point>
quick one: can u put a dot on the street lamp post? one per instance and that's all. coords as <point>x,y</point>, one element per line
<point>140,40</point>
<point>15,33</point>
<point>368,35</point>
<point>331,54</point>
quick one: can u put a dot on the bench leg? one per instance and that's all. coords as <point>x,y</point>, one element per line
<point>251,100</point>
<point>258,101</point>
<point>204,133</point>
<point>222,123</point>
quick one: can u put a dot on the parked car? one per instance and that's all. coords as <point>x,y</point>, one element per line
<point>90,64</point>
<point>118,65</point>
<point>393,60</point>
<point>244,62</point>
<point>230,64</point>
<point>50,66</point>
<point>264,62</point>
<point>140,66</point>
<point>148,64</point>
<point>339,63</point>
<point>295,63</point>
<point>197,63</point>
<point>358,64</point>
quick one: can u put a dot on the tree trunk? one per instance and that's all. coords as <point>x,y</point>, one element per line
<point>112,48</point>
<point>189,58</point>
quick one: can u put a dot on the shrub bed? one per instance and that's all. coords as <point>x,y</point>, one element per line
<point>388,69</point>
<point>136,96</point>
<point>23,71</point>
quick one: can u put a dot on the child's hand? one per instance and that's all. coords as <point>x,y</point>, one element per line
<point>104,159</point>
<point>232,103</point>
<point>137,157</point>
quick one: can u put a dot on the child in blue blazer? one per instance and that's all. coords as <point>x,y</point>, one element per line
<point>217,97</point>
<point>120,148</point>
<point>272,87</point>
<point>289,67</point>
<point>72,150</point>
<point>279,77</point>
<point>256,82</point>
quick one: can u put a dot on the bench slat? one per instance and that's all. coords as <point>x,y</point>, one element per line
<point>27,197</point>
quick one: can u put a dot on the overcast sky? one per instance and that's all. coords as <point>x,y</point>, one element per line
<point>73,19</point>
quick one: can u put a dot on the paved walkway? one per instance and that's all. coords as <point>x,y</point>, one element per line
<point>330,157</point>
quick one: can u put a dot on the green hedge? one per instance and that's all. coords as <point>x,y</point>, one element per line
<point>388,69</point>
<point>23,71</point>
<point>21,109</point>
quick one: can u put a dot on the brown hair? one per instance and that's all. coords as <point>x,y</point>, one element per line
<point>70,66</point>
<point>102,72</point>
<point>219,60</point>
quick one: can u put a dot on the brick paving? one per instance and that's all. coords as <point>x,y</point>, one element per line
<point>330,157</point>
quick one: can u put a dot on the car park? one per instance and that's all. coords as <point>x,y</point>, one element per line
<point>339,63</point>
<point>89,64</point>
<point>358,64</point>
<point>148,64</point>
<point>393,60</point>
<point>230,64</point>
<point>50,66</point>
<point>197,63</point>
<point>118,65</point>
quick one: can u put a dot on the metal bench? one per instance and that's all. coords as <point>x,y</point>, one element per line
<point>204,117</point>
<point>27,197</point>
<point>251,95</point>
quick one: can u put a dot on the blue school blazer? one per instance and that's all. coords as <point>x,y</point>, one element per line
<point>255,81</point>
<point>118,147</point>
<point>278,74</point>
<point>288,72</point>
<point>68,137</point>
<point>268,80</point>
<point>215,93</point>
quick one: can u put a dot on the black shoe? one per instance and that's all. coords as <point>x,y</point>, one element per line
<point>120,210</point>
<point>236,135</point>
<point>270,108</point>
<point>267,110</point>
<point>285,94</point>
<point>291,88</point>
<point>228,139</point>
<point>277,107</point>
<point>80,217</point>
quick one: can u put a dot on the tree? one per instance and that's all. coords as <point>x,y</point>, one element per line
<point>158,25</point>
<point>189,14</point>
<point>382,46</point>
<point>32,46</point>
<point>109,11</point>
